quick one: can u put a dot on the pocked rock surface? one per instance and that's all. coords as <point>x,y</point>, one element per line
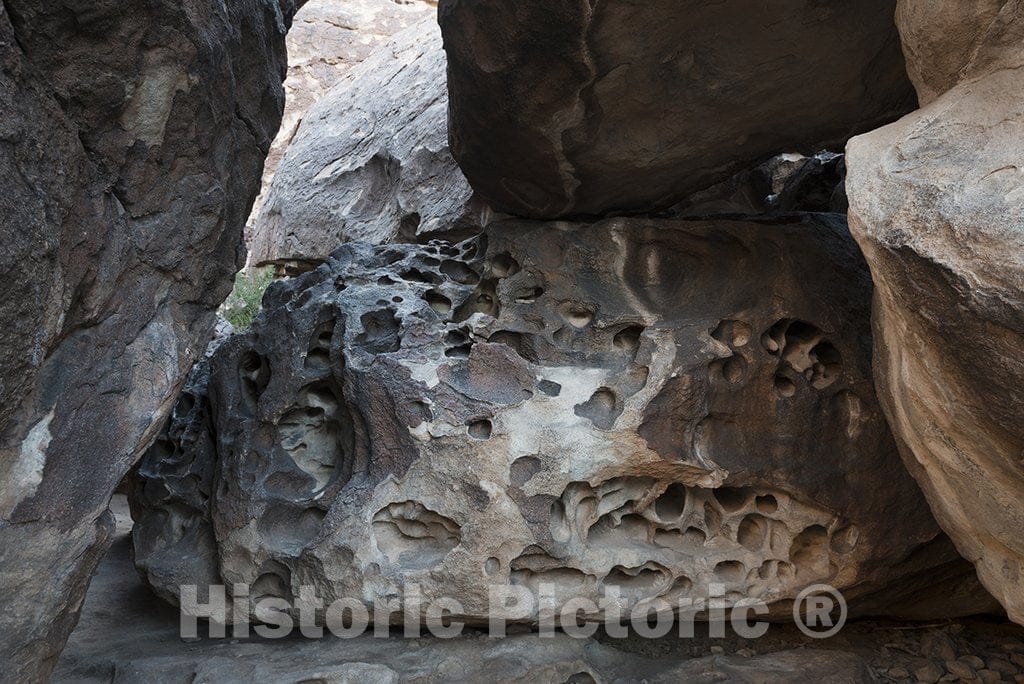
<point>653,406</point>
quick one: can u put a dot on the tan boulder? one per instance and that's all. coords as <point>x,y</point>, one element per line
<point>937,205</point>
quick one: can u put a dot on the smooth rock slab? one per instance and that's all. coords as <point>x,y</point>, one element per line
<point>653,406</point>
<point>580,108</point>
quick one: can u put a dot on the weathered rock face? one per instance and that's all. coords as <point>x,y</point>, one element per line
<point>943,40</point>
<point>628,106</point>
<point>937,203</point>
<point>370,161</point>
<point>591,406</point>
<point>327,39</point>
<point>128,173</point>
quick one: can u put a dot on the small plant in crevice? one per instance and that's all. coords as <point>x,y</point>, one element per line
<point>246,298</point>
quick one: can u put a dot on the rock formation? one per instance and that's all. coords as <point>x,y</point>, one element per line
<point>942,38</point>
<point>653,406</point>
<point>327,39</point>
<point>133,139</point>
<point>569,107</point>
<point>370,161</point>
<point>937,204</point>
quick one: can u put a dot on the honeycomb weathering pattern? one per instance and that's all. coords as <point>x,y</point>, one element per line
<point>653,405</point>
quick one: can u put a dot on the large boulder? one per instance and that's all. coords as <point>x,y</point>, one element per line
<point>655,406</point>
<point>571,107</point>
<point>937,204</point>
<point>327,39</point>
<point>370,161</point>
<point>133,141</point>
<point>943,39</point>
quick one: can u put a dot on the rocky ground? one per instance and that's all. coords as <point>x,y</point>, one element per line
<point>126,634</point>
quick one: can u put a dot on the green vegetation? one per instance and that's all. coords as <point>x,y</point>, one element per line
<point>245,300</point>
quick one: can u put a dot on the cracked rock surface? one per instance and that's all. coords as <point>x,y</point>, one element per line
<point>370,161</point>
<point>654,406</point>
<point>616,106</point>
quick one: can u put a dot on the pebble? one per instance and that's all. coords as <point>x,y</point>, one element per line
<point>1000,665</point>
<point>1018,659</point>
<point>899,673</point>
<point>717,650</point>
<point>972,661</point>
<point>959,669</point>
<point>747,653</point>
<point>928,673</point>
<point>938,646</point>
<point>990,676</point>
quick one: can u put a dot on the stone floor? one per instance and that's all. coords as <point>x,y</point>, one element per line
<point>126,634</point>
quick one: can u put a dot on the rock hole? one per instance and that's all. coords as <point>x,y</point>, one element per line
<point>628,529</point>
<point>601,409</point>
<point>269,585</point>
<point>642,581</point>
<point>733,369</point>
<point>731,498</point>
<point>503,265</point>
<point>483,300</point>
<point>521,343</point>
<point>628,339</point>
<point>529,295</point>
<point>459,272</point>
<point>414,536</point>
<point>766,503</point>
<point>827,365</point>
<point>560,531</point>
<point>319,349</point>
<point>669,506</point>
<point>730,571</point>
<point>491,566</point>
<point>752,532</point>
<point>784,386</point>
<point>254,373</point>
<point>438,302</point>
<point>809,552</point>
<point>480,429</point>
<point>695,535</point>
<point>380,331</point>
<point>581,678</point>
<point>415,275</point>
<point>732,333</point>
<point>460,352</point>
<point>523,469</point>
<point>579,318</point>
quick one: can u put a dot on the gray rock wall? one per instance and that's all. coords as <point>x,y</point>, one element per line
<point>131,145</point>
